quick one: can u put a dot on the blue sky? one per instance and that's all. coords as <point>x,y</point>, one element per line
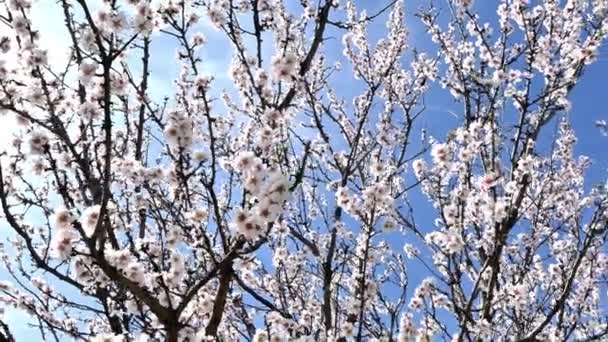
<point>589,99</point>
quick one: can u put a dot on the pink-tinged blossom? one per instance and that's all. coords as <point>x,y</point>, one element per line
<point>62,218</point>
<point>440,153</point>
<point>38,142</point>
<point>284,67</point>
<point>89,219</point>
<point>86,72</point>
<point>63,243</point>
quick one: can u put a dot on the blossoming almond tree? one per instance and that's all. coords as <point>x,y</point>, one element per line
<point>270,212</point>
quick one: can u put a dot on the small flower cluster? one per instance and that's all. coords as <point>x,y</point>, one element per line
<point>378,198</point>
<point>65,236</point>
<point>145,20</point>
<point>269,189</point>
<point>89,219</point>
<point>111,21</point>
<point>284,67</point>
<point>450,240</point>
<point>86,72</point>
<point>38,142</point>
<point>407,330</point>
<point>179,131</point>
<point>130,171</point>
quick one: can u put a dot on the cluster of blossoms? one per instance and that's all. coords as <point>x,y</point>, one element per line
<point>268,189</point>
<point>179,131</point>
<point>89,219</point>
<point>378,198</point>
<point>284,67</point>
<point>86,72</point>
<point>38,141</point>
<point>65,235</point>
<point>145,20</point>
<point>133,172</point>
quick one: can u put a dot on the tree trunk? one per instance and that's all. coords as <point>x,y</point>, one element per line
<point>172,331</point>
<point>220,300</point>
